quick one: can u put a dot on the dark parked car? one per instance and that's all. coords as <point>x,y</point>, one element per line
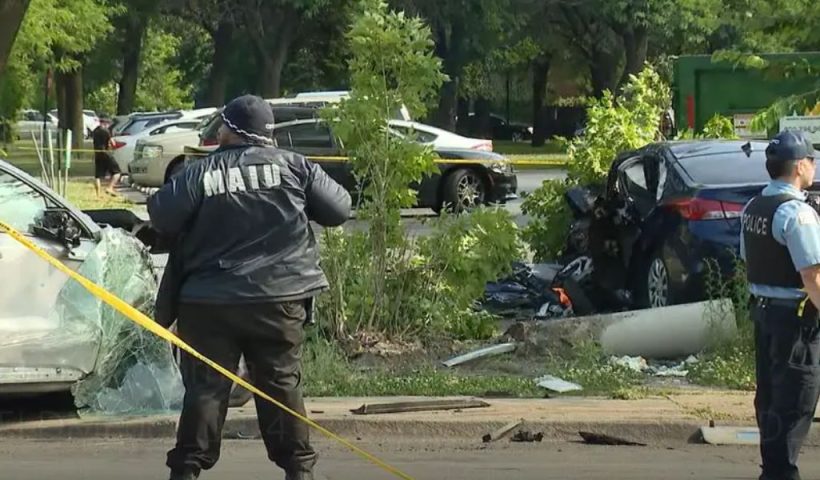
<point>474,178</point>
<point>500,128</point>
<point>665,209</point>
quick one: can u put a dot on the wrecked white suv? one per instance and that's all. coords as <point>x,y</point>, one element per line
<point>56,336</point>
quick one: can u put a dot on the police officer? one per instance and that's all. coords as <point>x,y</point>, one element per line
<point>780,242</point>
<point>249,271</point>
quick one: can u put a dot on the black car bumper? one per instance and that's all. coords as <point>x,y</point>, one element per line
<point>503,187</point>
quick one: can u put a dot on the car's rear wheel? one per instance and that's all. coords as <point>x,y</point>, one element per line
<point>517,137</point>
<point>464,189</point>
<point>653,287</point>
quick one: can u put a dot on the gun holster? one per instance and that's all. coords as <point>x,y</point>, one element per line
<point>808,313</point>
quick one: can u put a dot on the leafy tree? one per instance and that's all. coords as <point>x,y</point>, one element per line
<point>464,31</point>
<point>59,34</point>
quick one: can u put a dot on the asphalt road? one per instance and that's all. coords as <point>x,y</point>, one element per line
<point>415,220</point>
<point>246,460</point>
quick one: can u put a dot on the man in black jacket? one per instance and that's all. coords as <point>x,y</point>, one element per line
<point>249,271</point>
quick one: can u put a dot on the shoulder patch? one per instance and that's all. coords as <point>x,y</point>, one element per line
<point>808,217</point>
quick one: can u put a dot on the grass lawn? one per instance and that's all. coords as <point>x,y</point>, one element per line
<point>22,155</point>
<point>80,192</point>
<point>526,157</point>
<point>525,148</point>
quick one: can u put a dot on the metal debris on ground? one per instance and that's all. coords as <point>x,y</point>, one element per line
<point>527,436</point>
<point>419,406</point>
<point>656,368</point>
<point>501,432</point>
<point>557,384</point>
<point>602,439</point>
<point>636,364</point>
<point>481,352</point>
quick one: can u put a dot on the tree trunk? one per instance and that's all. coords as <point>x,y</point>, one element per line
<point>74,107</point>
<point>132,49</point>
<point>60,83</point>
<point>450,50</point>
<point>540,74</point>
<point>445,116</point>
<point>636,44</point>
<point>603,72</point>
<point>463,121</point>
<point>12,13</point>
<point>482,117</point>
<point>273,58</point>
<point>218,77</point>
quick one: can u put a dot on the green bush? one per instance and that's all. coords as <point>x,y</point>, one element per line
<point>431,284</point>
<point>614,125</point>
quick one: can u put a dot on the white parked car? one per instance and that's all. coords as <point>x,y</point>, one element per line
<point>124,145</point>
<point>438,137</point>
<point>31,121</point>
<point>90,121</point>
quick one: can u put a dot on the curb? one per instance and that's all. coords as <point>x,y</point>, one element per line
<point>246,427</point>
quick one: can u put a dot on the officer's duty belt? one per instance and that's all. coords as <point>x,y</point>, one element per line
<point>778,302</point>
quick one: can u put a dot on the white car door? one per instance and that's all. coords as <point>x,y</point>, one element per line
<point>40,348</point>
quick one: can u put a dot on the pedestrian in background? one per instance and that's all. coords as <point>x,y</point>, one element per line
<point>104,163</point>
<point>780,242</point>
<point>248,272</point>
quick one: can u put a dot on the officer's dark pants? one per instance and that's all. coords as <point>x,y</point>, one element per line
<point>270,336</point>
<point>788,383</point>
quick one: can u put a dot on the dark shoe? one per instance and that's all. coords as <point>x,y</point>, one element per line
<point>299,476</point>
<point>186,475</point>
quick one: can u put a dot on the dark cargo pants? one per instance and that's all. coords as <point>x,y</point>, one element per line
<point>788,384</point>
<point>270,336</point>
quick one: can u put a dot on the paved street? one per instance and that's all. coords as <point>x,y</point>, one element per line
<point>415,219</point>
<point>241,460</point>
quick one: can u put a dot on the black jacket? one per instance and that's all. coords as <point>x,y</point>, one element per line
<point>243,216</point>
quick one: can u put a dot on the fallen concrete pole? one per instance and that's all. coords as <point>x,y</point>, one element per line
<point>668,332</point>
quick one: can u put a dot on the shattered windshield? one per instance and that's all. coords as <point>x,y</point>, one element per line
<point>20,204</point>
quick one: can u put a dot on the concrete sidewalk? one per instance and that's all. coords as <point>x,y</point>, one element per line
<point>659,419</point>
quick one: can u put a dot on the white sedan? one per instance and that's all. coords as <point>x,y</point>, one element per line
<point>437,137</point>
<point>124,145</point>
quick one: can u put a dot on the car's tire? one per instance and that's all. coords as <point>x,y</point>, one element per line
<point>463,189</point>
<point>517,137</point>
<point>652,283</point>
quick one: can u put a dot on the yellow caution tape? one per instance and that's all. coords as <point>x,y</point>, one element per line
<point>139,318</point>
<point>345,159</point>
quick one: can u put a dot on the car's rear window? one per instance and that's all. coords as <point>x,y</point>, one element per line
<point>727,168</point>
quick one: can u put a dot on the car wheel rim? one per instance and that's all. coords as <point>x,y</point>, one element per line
<point>658,284</point>
<point>469,191</point>
<point>517,137</point>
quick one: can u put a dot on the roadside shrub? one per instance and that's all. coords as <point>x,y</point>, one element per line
<point>431,284</point>
<point>614,125</point>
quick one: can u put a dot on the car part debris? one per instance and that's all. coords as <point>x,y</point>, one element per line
<point>730,435</point>
<point>601,439</point>
<point>636,364</point>
<point>501,432</point>
<point>419,406</point>
<point>527,436</point>
<point>557,384</point>
<point>482,352</point>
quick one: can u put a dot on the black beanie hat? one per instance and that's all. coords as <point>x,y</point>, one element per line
<point>250,117</point>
